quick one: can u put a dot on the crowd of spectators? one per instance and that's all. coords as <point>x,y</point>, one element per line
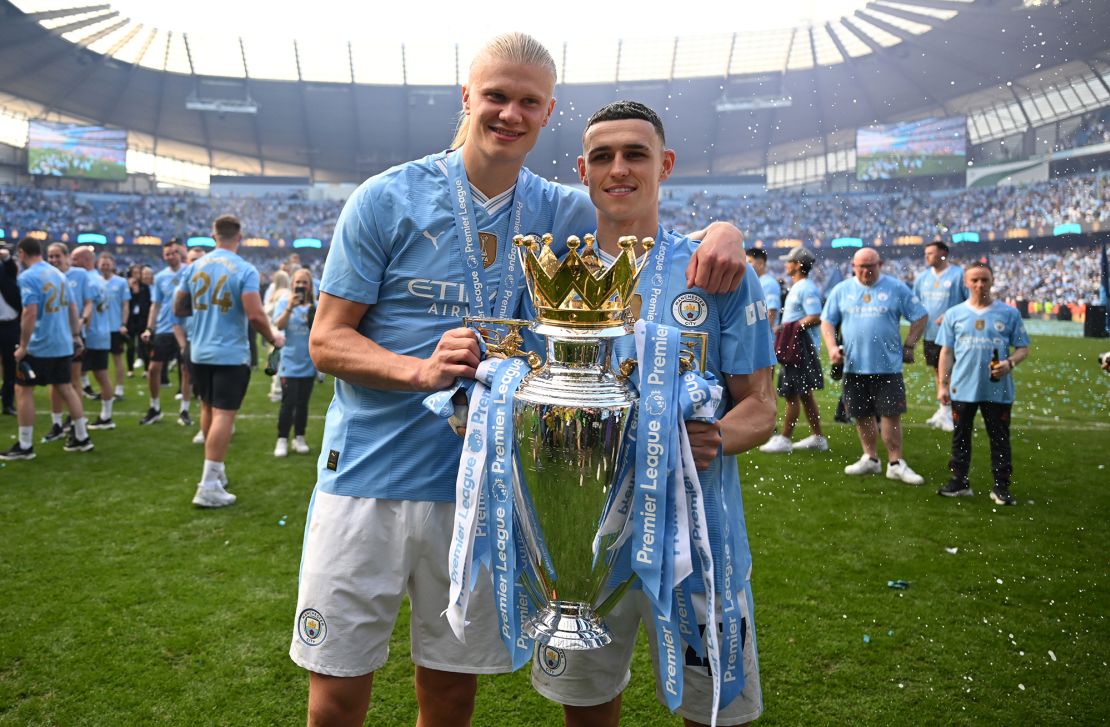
<point>1060,277</point>
<point>1094,128</point>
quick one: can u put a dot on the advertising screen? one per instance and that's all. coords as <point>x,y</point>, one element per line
<point>74,150</point>
<point>912,149</point>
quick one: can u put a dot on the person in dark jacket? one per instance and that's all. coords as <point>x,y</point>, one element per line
<point>10,308</point>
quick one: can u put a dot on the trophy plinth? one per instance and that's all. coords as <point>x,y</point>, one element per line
<point>573,626</point>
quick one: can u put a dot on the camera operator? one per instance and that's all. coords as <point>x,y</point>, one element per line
<point>293,314</point>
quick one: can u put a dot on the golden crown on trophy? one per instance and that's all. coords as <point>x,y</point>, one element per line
<point>580,291</point>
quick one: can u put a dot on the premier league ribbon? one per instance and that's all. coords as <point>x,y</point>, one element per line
<point>468,245</point>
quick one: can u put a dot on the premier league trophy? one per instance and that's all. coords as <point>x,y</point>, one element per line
<point>570,414</point>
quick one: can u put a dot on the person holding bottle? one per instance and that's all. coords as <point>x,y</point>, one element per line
<point>975,376</point>
<point>293,314</point>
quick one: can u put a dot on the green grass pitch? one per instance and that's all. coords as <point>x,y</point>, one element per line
<point>124,605</point>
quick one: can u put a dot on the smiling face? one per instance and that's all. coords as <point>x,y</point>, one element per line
<point>508,103</point>
<point>623,163</point>
<point>57,256</point>
<point>979,281</point>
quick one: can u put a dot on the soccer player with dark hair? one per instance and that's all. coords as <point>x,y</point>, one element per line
<point>623,163</point>
<point>46,345</point>
<point>939,287</point>
<point>159,327</point>
<point>119,311</point>
<point>982,342</point>
<point>772,291</point>
<point>220,291</point>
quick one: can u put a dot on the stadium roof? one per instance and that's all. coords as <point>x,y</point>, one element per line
<point>340,111</point>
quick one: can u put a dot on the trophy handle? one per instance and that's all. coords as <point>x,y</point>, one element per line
<point>500,345</point>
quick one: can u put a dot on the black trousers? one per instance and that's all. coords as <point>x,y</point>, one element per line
<point>295,393</point>
<point>997,419</point>
<point>9,339</point>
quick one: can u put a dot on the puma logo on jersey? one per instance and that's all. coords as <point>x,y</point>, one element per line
<point>433,238</point>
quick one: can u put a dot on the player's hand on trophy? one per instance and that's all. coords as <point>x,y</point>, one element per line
<point>456,356</point>
<point>461,415</point>
<point>705,442</point>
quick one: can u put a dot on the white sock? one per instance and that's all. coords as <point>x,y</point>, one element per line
<point>84,379</point>
<point>56,417</point>
<point>155,404</point>
<point>210,477</point>
<point>26,437</point>
<point>184,405</point>
<point>105,408</point>
<point>80,429</point>
<point>119,390</point>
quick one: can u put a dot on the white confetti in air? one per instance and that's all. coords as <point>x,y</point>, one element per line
<point>1051,655</point>
<point>1021,687</point>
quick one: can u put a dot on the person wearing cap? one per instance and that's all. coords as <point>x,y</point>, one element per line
<point>772,290</point>
<point>868,308</point>
<point>799,379</point>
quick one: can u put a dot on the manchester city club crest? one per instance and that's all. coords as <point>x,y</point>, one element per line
<point>999,326</point>
<point>311,627</point>
<point>690,309</point>
<point>551,660</point>
<point>884,296</point>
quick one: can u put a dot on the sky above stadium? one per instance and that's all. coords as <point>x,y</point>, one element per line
<point>563,20</point>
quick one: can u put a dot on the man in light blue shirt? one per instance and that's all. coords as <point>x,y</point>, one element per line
<point>868,308</point>
<point>98,335</point>
<point>220,291</point>
<point>982,341</point>
<point>159,330</point>
<point>119,310</point>
<point>939,287</point>
<point>772,291</point>
<point>47,340</point>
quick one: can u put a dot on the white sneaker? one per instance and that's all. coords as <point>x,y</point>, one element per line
<point>198,438</point>
<point>946,425</point>
<point>815,442</point>
<point>899,470</point>
<point>300,446</point>
<point>281,449</point>
<point>865,466</point>
<point>212,496</point>
<point>777,444</point>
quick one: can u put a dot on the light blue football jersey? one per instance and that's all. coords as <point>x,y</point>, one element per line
<point>740,342</point>
<point>216,284</point>
<point>161,292</point>
<point>98,333</point>
<point>45,287</point>
<point>974,336</point>
<point>938,293</point>
<point>394,248</point>
<point>119,293</point>
<point>772,292</point>
<point>295,360</point>
<point>804,299</point>
<point>869,317</point>
<point>78,283</point>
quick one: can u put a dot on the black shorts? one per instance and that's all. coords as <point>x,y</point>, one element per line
<point>803,377</point>
<point>94,359</point>
<point>221,387</point>
<point>868,395</point>
<point>163,347</point>
<point>932,354</point>
<point>53,370</point>
<point>117,342</point>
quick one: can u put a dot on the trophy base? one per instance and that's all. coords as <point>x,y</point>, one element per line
<point>573,626</point>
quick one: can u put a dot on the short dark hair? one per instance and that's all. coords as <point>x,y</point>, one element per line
<point>30,246</point>
<point>980,265</point>
<point>938,243</point>
<point>621,110</point>
<point>226,226</point>
<point>171,241</point>
<point>756,253</point>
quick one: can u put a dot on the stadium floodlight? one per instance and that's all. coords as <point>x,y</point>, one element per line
<point>753,103</point>
<point>222,105</point>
